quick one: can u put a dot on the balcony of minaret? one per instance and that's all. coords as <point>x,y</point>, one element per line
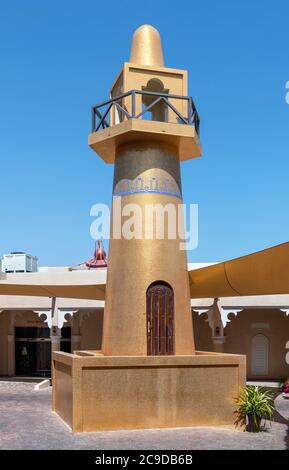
<point>148,103</point>
<point>146,115</point>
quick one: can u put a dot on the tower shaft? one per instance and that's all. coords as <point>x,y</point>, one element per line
<point>145,129</point>
<point>148,176</point>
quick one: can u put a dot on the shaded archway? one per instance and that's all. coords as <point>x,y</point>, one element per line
<point>158,111</point>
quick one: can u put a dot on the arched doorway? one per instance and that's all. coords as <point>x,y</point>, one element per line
<point>160,319</point>
<point>159,111</point>
<point>259,355</point>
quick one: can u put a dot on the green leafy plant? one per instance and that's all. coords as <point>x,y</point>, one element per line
<point>254,404</point>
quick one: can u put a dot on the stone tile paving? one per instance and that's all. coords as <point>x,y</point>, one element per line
<point>27,422</point>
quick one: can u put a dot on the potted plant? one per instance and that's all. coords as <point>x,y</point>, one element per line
<point>253,405</point>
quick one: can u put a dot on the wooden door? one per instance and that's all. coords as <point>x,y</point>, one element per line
<point>43,363</point>
<point>160,320</point>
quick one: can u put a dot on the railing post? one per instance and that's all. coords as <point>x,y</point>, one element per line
<point>189,111</point>
<point>197,124</point>
<point>93,119</point>
<point>133,104</point>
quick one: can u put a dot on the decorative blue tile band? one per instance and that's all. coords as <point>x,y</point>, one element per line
<point>147,185</point>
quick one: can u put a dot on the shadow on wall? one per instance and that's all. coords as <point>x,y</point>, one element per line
<point>202,332</point>
<point>91,331</point>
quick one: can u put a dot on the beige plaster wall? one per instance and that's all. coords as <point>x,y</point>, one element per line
<point>243,327</point>
<point>202,332</point>
<point>239,332</point>
<point>91,330</point>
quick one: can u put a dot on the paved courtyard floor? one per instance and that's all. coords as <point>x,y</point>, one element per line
<point>27,422</point>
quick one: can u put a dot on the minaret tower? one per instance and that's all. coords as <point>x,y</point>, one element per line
<point>148,374</point>
<point>146,128</point>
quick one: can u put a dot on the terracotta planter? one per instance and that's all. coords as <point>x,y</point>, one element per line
<point>253,425</point>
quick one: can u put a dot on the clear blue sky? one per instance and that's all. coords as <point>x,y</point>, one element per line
<point>59,57</point>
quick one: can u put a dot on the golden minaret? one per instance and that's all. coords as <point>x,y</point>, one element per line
<point>148,374</point>
<point>146,128</point>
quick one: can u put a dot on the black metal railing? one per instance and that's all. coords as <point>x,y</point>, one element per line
<point>101,115</point>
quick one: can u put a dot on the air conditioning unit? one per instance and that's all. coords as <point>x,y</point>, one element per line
<point>18,262</point>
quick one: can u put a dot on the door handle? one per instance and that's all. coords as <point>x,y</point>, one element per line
<point>149,327</point>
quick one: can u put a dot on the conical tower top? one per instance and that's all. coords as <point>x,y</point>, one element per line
<point>148,102</point>
<point>146,47</point>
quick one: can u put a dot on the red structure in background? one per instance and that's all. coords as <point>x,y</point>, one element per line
<point>99,260</point>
